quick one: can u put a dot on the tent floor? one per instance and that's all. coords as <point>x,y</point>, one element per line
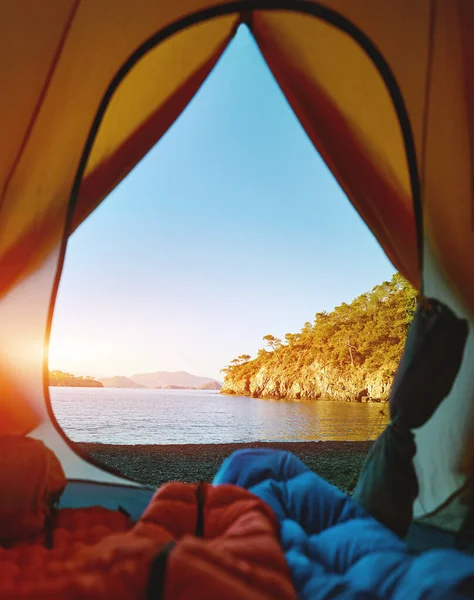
<point>82,494</point>
<point>134,500</point>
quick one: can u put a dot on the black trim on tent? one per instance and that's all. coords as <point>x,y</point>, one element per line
<point>245,8</point>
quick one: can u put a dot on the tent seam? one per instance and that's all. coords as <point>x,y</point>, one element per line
<point>40,100</point>
<point>424,139</point>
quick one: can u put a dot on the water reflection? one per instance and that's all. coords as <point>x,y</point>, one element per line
<point>321,420</point>
<point>123,416</point>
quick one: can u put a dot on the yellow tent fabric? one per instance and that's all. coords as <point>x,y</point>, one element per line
<point>384,91</point>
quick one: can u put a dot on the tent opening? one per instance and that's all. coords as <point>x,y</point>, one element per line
<point>229,255</point>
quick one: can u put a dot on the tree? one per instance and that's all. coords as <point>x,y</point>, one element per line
<point>273,343</point>
<point>320,317</point>
<point>351,347</point>
<point>236,362</point>
<point>244,358</point>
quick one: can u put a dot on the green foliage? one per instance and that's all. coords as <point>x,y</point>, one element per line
<point>236,362</point>
<point>272,342</point>
<point>363,337</point>
<point>58,378</point>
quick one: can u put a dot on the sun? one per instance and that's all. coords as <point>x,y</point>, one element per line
<point>65,355</point>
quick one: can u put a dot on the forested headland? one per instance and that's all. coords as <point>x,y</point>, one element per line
<point>348,354</point>
<point>58,378</point>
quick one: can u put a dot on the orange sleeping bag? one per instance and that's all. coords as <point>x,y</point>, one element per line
<point>31,482</point>
<point>193,541</point>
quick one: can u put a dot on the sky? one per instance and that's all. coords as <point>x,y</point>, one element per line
<point>230,228</point>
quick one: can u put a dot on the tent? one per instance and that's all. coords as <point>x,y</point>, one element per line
<point>383,90</point>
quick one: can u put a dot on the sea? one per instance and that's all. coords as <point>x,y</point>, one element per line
<point>148,416</point>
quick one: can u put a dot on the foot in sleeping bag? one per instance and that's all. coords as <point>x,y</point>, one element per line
<point>333,547</point>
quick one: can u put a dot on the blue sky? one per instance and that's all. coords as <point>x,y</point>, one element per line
<point>230,228</point>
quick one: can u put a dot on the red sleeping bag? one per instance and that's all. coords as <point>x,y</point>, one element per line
<point>193,541</point>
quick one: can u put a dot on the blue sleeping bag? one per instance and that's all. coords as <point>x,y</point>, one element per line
<point>333,547</point>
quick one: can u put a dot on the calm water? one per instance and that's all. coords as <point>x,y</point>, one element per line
<point>123,416</point>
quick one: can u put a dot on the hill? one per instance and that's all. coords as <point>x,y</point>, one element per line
<point>211,385</point>
<point>120,382</point>
<point>349,354</point>
<point>60,379</point>
<point>166,378</point>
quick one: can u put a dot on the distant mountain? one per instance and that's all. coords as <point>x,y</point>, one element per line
<point>120,382</point>
<point>210,385</point>
<point>166,378</point>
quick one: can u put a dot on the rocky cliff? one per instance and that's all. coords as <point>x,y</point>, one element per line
<point>350,354</point>
<point>315,382</point>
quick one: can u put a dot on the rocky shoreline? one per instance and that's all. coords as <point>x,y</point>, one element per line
<point>313,383</point>
<point>338,462</point>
